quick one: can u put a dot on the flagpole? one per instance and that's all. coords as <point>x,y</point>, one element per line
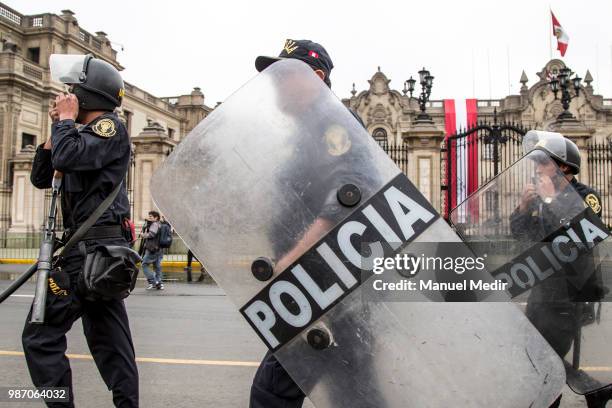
<point>489,71</point>
<point>550,33</point>
<point>508,68</point>
<point>596,62</point>
<point>473,75</point>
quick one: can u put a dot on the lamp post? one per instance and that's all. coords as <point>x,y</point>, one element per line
<point>564,83</point>
<point>426,82</point>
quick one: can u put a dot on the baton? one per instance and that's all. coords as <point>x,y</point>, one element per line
<point>579,309</point>
<point>45,256</point>
<point>23,278</point>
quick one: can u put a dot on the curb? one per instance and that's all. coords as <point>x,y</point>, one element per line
<point>170,264</point>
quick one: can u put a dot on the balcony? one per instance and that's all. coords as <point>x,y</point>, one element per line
<point>160,103</point>
<point>15,64</point>
<point>10,15</point>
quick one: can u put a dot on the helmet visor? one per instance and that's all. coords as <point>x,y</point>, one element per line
<point>68,68</point>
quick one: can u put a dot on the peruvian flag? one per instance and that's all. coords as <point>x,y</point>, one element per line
<point>462,173</point>
<point>559,32</point>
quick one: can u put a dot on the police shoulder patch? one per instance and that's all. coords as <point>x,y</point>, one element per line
<point>104,127</point>
<point>593,201</point>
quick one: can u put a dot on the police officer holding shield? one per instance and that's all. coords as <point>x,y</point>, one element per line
<point>555,307</point>
<point>272,386</point>
<point>91,147</point>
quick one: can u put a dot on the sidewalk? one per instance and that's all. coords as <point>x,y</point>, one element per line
<point>172,268</point>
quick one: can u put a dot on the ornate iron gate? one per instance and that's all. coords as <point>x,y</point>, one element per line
<point>472,157</point>
<point>398,153</point>
<point>600,175</point>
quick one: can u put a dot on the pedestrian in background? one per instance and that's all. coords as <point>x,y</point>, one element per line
<point>153,253</point>
<point>190,258</point>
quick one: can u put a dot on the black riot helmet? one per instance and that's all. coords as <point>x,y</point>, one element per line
<point>96,83</point>
<point>555,146</point>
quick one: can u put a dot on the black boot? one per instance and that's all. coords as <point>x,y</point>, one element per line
<point>599,398</point>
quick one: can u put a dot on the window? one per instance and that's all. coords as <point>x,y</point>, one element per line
<point>33,54</point>
<point>380,135</point>
<point>27,140</point>
<point>171,133</point>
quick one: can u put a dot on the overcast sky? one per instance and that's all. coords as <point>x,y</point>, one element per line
<point>473,48</point>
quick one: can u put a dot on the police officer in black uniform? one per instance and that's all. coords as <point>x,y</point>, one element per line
<point>272,386</point>
<point>555,307</point>
<point>91,147</point>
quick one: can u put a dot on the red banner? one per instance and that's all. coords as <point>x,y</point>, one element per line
<point>450,124</point>
<point>472,120</point>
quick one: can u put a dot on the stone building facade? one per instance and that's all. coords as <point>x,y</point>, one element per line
<point>390,116</point>
<point>157,124</point>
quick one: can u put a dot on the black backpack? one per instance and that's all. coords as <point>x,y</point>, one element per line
<point>165,235</point>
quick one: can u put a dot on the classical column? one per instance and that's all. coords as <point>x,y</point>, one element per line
<point>9,118</point>
<point>27,202</point>
<point>423,140</point>
<point>151,147</point>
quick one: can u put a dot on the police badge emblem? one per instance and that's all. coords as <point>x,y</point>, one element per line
<point>105,128</point>
<point>593,202</point>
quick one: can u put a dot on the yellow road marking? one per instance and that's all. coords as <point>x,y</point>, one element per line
<point>596,368</point>
<point>227,363</point>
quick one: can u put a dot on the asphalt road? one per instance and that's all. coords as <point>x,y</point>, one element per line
<point>194,349</point>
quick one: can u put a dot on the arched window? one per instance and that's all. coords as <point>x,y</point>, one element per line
<point>380,135</point>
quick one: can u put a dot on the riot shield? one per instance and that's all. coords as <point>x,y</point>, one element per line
<point>275,191</point>
<point>541,237</point>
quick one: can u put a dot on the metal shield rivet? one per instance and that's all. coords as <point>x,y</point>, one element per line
<point>349,195</point>
<point>318,339</point>
<point>261,268</point>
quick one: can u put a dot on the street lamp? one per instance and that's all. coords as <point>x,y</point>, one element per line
<point>426,82</point>
<point>409,86</point>
<point>564,82</point>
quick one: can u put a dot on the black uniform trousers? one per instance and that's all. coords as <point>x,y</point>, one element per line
<point>106,328</point>
<point>273,387</point>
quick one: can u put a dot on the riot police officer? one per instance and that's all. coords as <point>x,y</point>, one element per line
<point>93,157</point>
<point>556,308</point>
<point>272,386</point>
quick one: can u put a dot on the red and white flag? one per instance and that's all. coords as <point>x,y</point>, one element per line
<point>559,32</point>
<point>462,174</point>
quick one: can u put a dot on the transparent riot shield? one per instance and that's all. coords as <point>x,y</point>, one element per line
<point>275,191</point>
<point>541,237</point>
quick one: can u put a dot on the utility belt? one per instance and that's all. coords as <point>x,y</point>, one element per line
<point>109,271</point>
<point>98,232</point>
